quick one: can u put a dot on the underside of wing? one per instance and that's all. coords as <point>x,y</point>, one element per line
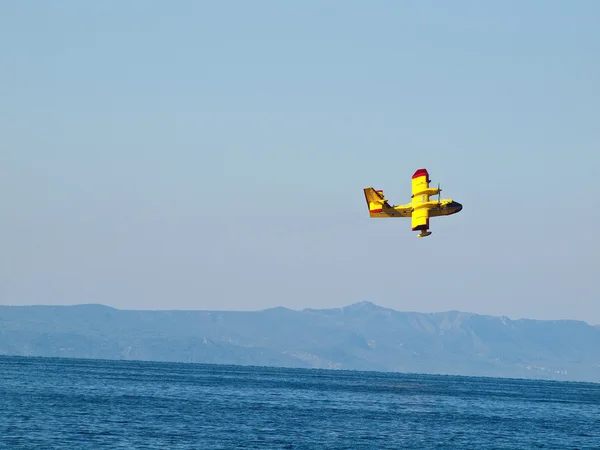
<point>420,219</point>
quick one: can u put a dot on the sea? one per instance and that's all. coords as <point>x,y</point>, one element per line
<point>60,403</point>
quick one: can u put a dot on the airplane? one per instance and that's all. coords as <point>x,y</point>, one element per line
<point>420,209</point>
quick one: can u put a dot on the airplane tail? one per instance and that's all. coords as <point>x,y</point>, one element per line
<point>376,202</point>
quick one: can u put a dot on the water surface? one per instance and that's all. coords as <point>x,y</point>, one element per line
<point>68,403</point>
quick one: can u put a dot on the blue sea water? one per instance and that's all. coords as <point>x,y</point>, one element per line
<point>50,403</point>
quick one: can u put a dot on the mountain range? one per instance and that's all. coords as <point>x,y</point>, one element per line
<point>362,336</point>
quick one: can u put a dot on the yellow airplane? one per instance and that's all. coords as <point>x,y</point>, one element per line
<point>420,209</point>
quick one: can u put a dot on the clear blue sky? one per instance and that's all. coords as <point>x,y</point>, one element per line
<point>212,155</point>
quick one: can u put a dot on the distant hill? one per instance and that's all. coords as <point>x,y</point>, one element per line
<point>361,336</point>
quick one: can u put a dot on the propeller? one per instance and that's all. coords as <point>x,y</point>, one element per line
<point>439,195</point>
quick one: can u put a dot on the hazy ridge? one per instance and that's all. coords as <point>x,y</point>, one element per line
<point>361,336</point>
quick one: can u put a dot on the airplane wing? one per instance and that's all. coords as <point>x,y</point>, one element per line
<point>420,195</point>
<point>420,219</point>
<point>420,183</point>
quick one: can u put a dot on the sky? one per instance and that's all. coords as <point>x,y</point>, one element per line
<point>213,155</point>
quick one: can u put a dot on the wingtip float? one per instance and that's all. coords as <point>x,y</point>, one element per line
<point>420,209</point>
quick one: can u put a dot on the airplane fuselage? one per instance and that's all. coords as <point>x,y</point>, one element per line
<point>445,207</point>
